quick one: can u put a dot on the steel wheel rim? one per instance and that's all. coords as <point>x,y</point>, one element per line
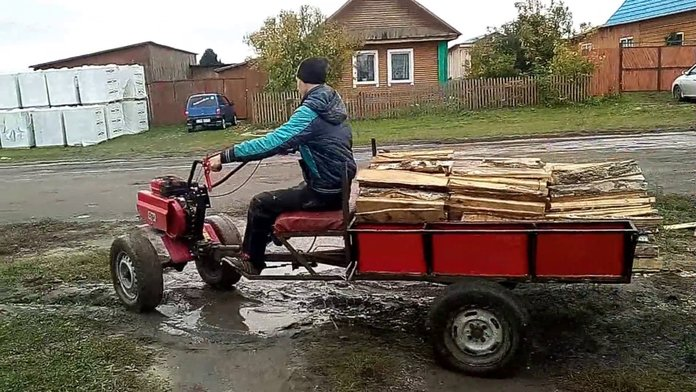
<point>478,334</point>
<point>126,275</point>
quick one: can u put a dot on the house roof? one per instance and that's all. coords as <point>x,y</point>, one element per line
<point>232,66</point>
<point>49,63</point>
<point>441,29</point>
<point>638,10</point>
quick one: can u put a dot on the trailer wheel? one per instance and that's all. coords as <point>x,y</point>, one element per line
<point>216,273</point>
<point>479,328</point>
<point>136,272</point>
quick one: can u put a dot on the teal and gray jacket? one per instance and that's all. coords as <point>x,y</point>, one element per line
<point>318,129</point>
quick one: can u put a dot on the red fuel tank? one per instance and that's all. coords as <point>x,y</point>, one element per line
<point>164,214</point>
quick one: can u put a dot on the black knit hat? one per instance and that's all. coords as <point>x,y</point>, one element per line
<point>313,70</point>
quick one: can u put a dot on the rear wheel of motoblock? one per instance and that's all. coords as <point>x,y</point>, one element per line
<point>136,272</point>
<point>217,273</point>
<point>479,328</point>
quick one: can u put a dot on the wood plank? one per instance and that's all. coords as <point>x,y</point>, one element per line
<point>497,204</point>
<point>385,178</point>
<point>648,265</point>
<point>647,251</point>
<point>600,204</point>
<point>583,173</point>
<point>681,226</point>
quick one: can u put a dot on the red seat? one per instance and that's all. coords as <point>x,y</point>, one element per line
<point>309,222</point>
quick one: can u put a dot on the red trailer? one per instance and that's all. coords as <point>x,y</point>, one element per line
<point>478,325</point>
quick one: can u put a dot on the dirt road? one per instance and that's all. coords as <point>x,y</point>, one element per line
<point>289,336</point>
<point>105,190</point>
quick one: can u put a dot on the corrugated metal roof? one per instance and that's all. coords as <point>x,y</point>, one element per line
<point>637,10</point>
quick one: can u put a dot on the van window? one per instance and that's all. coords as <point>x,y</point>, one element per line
<point>203,101</point>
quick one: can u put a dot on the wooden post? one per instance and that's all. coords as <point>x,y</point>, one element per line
<point>374,147</point>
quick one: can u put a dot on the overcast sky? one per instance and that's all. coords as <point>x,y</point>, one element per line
<point>35,31</point>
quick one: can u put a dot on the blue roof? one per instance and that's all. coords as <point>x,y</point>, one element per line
<point>637,10</point>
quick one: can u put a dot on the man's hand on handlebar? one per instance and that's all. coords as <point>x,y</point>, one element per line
<point>215,163</point>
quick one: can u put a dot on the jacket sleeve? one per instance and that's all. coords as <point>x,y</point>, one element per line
<point>288,136</point>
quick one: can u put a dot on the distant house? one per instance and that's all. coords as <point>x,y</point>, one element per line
<point>645,23</point>
<point>405,44</point>
<point>161,62</point>
<point>459,58</point>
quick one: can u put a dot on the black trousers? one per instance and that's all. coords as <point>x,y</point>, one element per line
<point>267,206</point>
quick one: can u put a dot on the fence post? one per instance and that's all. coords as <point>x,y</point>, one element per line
<point>659,68</point>
<point>621,50</point>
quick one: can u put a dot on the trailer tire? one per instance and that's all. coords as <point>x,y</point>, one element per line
<point>479,328</point>
<point>136,272</point>
<point>220,275</point>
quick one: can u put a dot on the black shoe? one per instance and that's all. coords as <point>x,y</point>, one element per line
<point>246,267</point>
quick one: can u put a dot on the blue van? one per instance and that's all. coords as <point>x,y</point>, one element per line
<point>209,110</point>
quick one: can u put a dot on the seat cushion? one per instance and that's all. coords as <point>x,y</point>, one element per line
<point>309,222</point>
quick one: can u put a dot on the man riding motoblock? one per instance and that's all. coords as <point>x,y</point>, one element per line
<point>318,130</point>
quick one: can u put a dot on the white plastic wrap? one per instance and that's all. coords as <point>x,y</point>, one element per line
<point>62,87</point>
<point>133,82</point>
<point>99,84</point>
<point>48,127</point>
<point>9,92</point>
<point>135,116</point>
<point>115,124</point>
<point>33,90</point>
<point>85,125</point>
<point>15,129</point>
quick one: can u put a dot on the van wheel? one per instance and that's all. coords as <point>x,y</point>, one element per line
<point>234,120</point>
<point>224,123</point>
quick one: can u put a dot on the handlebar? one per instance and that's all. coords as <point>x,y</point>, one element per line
<point>206,172</point>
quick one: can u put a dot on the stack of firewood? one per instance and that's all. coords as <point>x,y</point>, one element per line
<point>608,190</point>
<point>408,187</point>
<point>484,189</point>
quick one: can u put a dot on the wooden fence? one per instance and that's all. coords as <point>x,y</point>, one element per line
<point>643,68</point>
<point>467,94</point>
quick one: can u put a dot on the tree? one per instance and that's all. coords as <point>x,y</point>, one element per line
<point>285,40</point>
<point>210,58</point>
<point>528,44</point>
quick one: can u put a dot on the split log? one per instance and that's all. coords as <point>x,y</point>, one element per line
<point>590,172</point>
<point>607,196</point>
<point>369,204</point>
<point>463,181</point>
<point>423,166</point>
<point>598,188</point>
<point>403,193</point>
<point>421,215</point>
<point>606,213</point>
<point>482,204</point>
<point>527,163</point>
<point>501,172</point>
<point>648,265</point>
<point>599,204</point>
<point>398,156</point>
<point>398,178</point>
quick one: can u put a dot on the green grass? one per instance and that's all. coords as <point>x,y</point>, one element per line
<point>676,209</point>
<point>631,112</point>
<point>627,379</point>
<point>44,351</point>
<point>91,266</point>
